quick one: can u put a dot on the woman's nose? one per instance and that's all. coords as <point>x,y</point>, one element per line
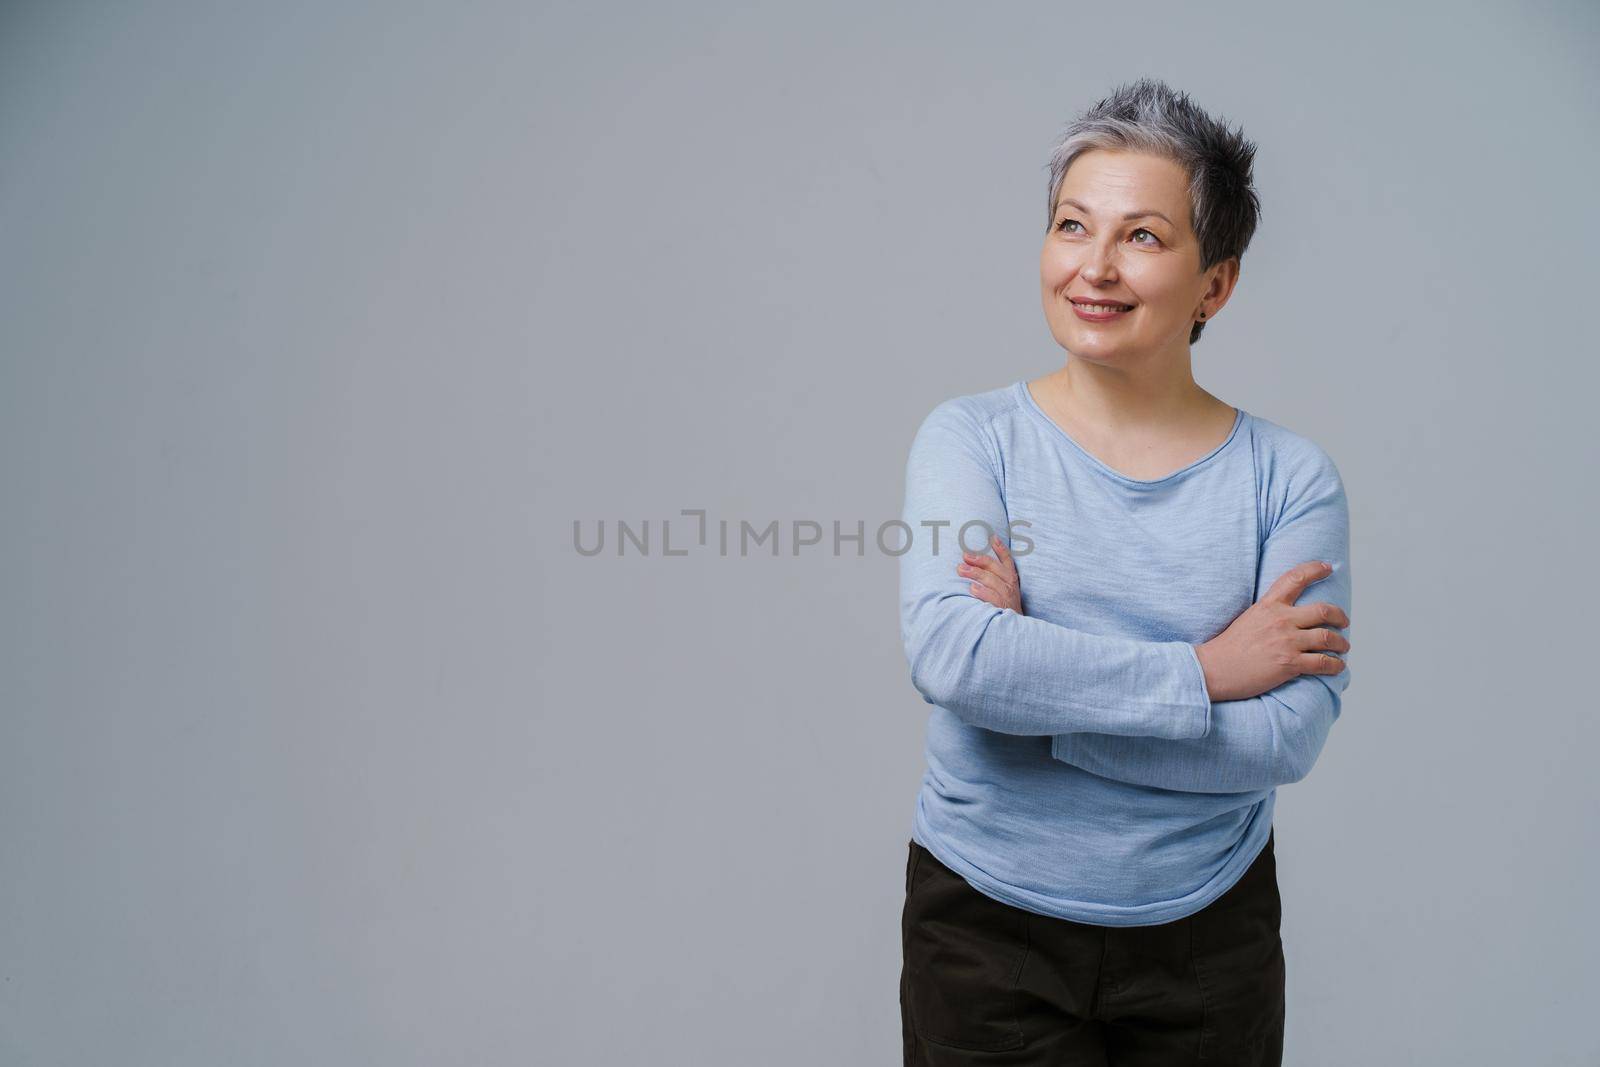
<point>1099,265</point>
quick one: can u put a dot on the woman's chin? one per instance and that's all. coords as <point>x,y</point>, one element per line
<point>1090,344</point>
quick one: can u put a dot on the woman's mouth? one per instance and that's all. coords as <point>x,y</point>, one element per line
<point>1100,312</point>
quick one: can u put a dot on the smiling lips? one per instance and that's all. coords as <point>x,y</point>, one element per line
<point>1099,312</point>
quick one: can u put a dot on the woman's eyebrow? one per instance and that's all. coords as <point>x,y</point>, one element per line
<point>1129,215</point>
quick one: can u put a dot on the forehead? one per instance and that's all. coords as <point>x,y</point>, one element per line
<point>1116,182</point>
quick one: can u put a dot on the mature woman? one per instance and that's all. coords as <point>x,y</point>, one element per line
<point>1146,651</point>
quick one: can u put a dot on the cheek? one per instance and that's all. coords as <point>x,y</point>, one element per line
<point>1154,286</point>
<point>1054,270</point>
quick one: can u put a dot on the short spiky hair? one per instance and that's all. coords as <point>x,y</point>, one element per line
<point>1150,116</point>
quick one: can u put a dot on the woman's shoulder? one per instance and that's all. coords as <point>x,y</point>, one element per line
<point>964,425</point>
<point>975,410</point>
<point>985,404</point>
<point>1285,457</point>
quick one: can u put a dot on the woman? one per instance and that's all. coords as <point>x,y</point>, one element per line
<point>1119,689</point>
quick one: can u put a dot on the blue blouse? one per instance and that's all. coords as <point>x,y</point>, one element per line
<point>1076,765</point>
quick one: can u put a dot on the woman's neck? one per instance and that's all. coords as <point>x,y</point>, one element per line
<point>1111,399</point>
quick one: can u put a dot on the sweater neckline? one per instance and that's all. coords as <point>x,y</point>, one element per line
<point>1027,401</point>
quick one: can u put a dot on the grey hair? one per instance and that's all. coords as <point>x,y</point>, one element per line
<point>1150,116</point>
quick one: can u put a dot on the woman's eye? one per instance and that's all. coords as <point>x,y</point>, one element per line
<point>1064,223</point>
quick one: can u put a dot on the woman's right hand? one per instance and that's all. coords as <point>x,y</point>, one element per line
<point>1274,640</point>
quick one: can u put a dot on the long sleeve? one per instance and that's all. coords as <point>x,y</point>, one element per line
<point>997,669</point>
<point>1274,738</point>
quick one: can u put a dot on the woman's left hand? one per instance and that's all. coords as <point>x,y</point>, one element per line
<point>994,578</point>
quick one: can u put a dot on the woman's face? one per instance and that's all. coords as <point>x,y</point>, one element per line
<point>1150,260</point>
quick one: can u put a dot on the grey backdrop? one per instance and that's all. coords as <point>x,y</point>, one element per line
<point>323,323</point>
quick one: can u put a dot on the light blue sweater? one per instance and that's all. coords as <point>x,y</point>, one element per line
<point>1076,765</point>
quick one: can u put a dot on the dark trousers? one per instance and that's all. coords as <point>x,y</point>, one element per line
<point>983,982</point>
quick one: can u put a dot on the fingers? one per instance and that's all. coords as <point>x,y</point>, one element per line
<point>1293,581</point>
<point>1316,663</point>
<point>1319,613</point>
<point>1001,551</point>
<point>987,595</point>
<point>994,580</point>
<point>1323,640</point>
<point>986,571</point>
<point>1001,563</point>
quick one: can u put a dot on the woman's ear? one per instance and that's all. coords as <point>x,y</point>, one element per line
<point>1224,276</point>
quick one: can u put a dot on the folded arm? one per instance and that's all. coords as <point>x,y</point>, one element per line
<point>993,667</point>
<point>1274,738</point>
